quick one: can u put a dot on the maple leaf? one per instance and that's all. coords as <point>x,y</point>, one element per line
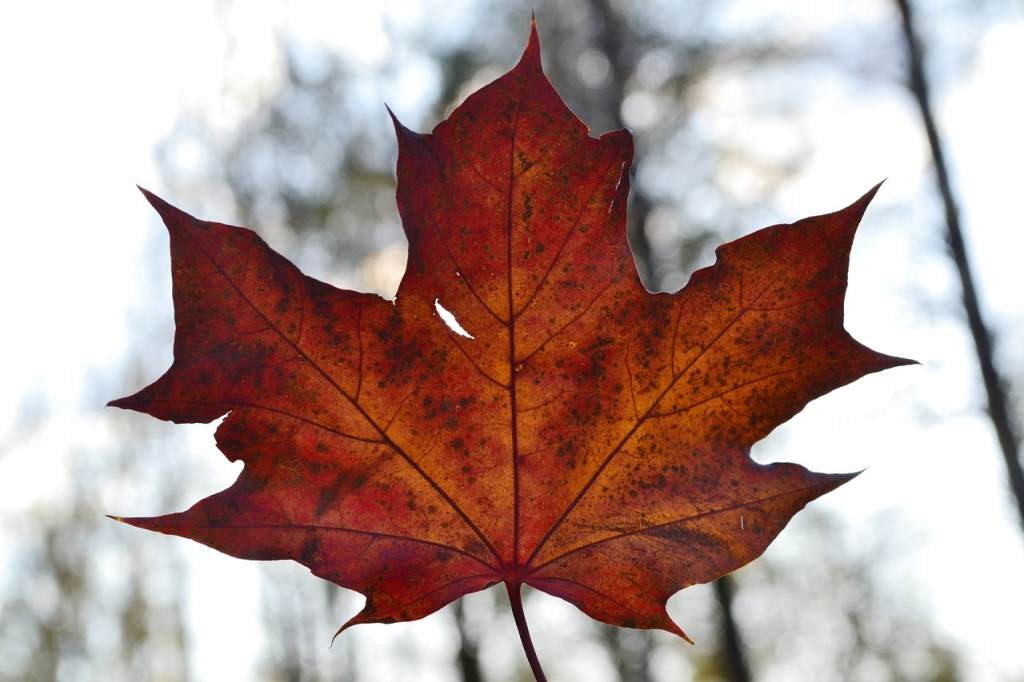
<point>587,438</point>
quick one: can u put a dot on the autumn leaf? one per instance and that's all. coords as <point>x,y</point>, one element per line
<point>585,437</point>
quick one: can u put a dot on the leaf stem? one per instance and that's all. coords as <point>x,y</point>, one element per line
<point>515,598</point>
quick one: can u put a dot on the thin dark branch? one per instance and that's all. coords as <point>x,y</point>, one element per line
<point>998,403</point>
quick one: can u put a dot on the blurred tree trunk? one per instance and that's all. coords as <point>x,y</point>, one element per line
<point>63,614</point>
<point>468,659</point>
<point>995,385</point>
<point>732,653</point>
<point>630,651</point>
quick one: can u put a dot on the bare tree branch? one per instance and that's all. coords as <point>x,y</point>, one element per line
<point>995,386</point>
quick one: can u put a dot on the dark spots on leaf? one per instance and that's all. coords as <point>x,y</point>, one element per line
<point>315,468</point>
<point>311,553</point>
<point>524,161</point>
<point>475,547</point>
<point>329,494</point>
<point>597,368</point>
<point>226,516</point>
<point>679,534</point>
<point>527,206</point>
<point>253,480</point>
<point>567,452</point>
<point>401,358</point>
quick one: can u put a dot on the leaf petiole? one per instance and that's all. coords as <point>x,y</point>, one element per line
<point>515,598</point>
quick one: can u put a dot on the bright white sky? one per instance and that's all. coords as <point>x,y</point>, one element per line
<point>90,88</point>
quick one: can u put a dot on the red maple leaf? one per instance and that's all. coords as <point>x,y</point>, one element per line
<point>588,438</point>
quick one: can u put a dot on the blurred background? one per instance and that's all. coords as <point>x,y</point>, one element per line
<point>745,113</point>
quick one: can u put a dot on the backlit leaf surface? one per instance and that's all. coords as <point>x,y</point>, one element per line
<point>588,438</point>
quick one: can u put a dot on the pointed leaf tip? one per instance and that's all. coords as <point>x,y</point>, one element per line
<point>162,207</point>
<point>533,43</point>
<point>401,131</point>
<point>125,403</point>
<point>868,196</point>
<point>151,197</point>
<point>170,214</point>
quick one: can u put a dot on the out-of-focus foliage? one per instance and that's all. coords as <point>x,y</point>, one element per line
<point>857,619</point>
<point>76,603</point>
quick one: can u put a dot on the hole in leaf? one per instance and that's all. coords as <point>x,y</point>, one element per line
<point>450,320</point>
